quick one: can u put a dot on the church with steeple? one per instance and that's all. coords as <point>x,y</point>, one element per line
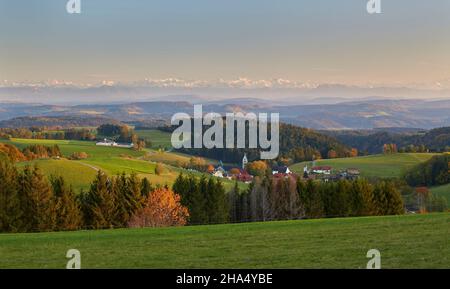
<point>244,161</point>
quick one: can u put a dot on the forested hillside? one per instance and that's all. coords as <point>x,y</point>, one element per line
<point>434,172</point>
<point>296,144</point>
<point>371,142</point>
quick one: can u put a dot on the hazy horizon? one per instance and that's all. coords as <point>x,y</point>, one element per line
<point>245,44</point>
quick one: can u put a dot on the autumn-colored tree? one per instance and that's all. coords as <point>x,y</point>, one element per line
<point>162,208</point>
<point>210,169</point>
<point>159,169</point>
<point>286,161</point>
<point>257,168</point>
<point>390,148</point>
<point>138,144</point>
<point>422,194</point>
<point>332,154</point>
<point>235,171</point>
<point>12,152</point>
<point>354,152</point>
<point>78,156</point>
<point>197,163</point>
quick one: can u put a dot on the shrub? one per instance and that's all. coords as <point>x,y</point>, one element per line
<point>78,156</point>
<point>159,169</point>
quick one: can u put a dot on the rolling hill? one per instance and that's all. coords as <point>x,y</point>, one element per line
<point>410,241</point>
<point>112,160</point>
<point>443,191</point>
<point>384,166</point>
<point>362,114</point>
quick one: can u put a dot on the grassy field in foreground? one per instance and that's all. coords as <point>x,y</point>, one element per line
<point>413,241</point>
<point>385,166</point>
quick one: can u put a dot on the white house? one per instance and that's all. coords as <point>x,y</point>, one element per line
<point>111,143</point>
<point>323,170</point>
<point>281,170</point>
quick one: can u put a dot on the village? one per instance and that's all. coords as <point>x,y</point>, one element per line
<point>323,173</point>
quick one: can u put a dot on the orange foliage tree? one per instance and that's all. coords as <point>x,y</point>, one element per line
<point>332,154</point>
<point>210,169</point>
<point>162,208</point>
<point>12,152</point>
<point>257,168</point>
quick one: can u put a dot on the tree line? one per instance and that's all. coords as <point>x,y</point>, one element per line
<point>42,133</point>
<point>30,152</point>
<point>30,202</point>
<point>434,172</point>
<point>204,197</point>
<point>269,198</point>
<point>372,141</point>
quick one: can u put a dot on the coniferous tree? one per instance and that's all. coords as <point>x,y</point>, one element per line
<point>101,206</point>
<point>217,206</point>
<point>362,198</point>
<point>233,197</point>
<point>68,213</point>
<point>314,201</point>
<point>196,200</point>
<point>11,211</point>
<point>37,199</point>
<point>380,201</point>
<point>394,199</point>
<point>127,190</point>
<point>146,188</point>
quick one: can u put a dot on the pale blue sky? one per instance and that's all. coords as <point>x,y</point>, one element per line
<point>316,40</point>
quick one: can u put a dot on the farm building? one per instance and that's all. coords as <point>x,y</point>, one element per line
<point>281,170</point>
<point>111,143</point>
<point>322,170</point>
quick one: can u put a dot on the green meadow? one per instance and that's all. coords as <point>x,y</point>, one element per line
<point>77,174</point>
<point>112,160</point>
<point>410,241</point>
<point>443,191</point>
<point>383,166</point>
<point>159,139</point>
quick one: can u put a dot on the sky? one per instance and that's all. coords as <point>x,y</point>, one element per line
<point>316,41</point>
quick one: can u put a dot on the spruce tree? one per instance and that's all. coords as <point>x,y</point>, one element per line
<point>37,198</point>
<point>11,211</point>
<point>233,197</point>
<point>68,213</point>
<point>102,202</point>
<point>394,199</point>
<point>196,200</point>
<point>146,188</point>
<point>380,201</point>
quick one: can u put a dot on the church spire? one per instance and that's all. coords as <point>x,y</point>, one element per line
<point>244,161</point>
